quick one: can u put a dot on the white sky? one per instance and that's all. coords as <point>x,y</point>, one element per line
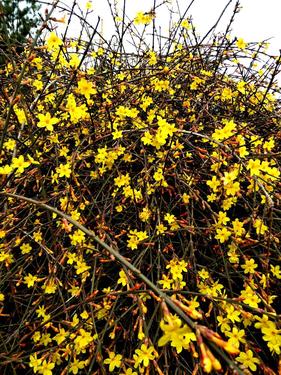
<point>257,20</point>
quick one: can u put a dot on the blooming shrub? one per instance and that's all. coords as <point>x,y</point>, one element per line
<point>140,202</point>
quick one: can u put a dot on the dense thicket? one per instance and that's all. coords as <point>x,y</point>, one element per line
<point>140,204</point>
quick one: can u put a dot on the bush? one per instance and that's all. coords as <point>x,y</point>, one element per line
<point>140,200</point>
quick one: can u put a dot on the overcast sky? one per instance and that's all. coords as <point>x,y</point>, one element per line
<point>257,20</point>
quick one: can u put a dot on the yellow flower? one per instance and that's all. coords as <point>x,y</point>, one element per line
<point>6,169</point>
<point>249,266</point>
<point>45,339</point>
<point>114,360</point>
<point>76,365</point>
<point>60,336</point>
<point>240,43</point>
<point>222,218</point>
<point>46,121</point>
<point>232,313</point>
<point>161,85</point>
<point>77,237</point>
<point>37,236</point>
<point>101,155</point>
<point>232,188</point>
<point>53,41</point>
<point>41,311</point>
<point>82,340</point>
<point>223,323</point>
<point>185,24</point>
<point>81,267</point>
<point>135,238</point>
<point>272,335</point>
<point>264,323</point>
<point>74,61</point>
<point>238,228</point>
<point>223,235</point>
<point>260,227</point>
<point>166,282</point>
<point>86,88</point>
<point>143,18</point>
<point>35,362</point>
<point>49,287</point>
<point>254,166</point>
<point>211,197</point>
<point>122,278</point>
<point>36,336</point>
<point>229,176</point>
<point>235,337</point>
<point>241,86</point>
<point>133,242</point>
<point>25,248</point>
<point>20,164</point>
<point>179,336</point>
<point>203,274</point>
<point>20,115</point>
<point>170,218</point>
<point>122,180</point>
<point>64,170</point>
<point>158,175</point>
<point>146,138</point>
<point>89,5</point>
<point>248,360</point>
<point>161,228</point>
<point>250,298</point>
<point>46,368</point>
<point>185,198</point>
<point>37,84</point>
<point>145,214</point>
<point>226,94</point>
<point>30,280</point>
<point>117,134</point>
<point>144,354</point>
<point>10,144</point>
<point>275,270</point>
<point>152,61</point>
<point>177,267</point>
<point>228,130</point>
<point>214,183</point>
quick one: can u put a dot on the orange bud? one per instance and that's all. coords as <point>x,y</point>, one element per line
<point>216,338</point>
<point>31,57</point>
<point>16,100</point>
<point>215,362</point>
<point>153,295</point>
<point>205,361</point>
<point>190,312</point>
<point>165,309</point>
<point>207,365</point>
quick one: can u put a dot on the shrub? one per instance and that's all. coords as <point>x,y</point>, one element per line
<point>140,202</point>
